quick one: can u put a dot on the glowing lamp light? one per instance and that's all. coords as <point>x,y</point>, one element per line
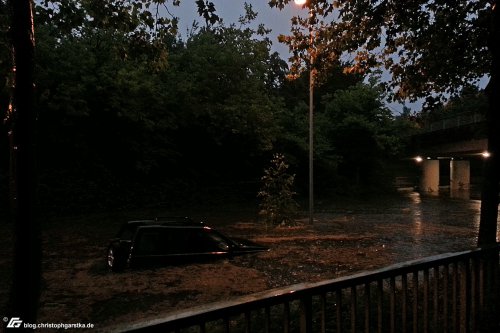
<point>419,159</point>
<point>485,154</point>
<point>300,2</point>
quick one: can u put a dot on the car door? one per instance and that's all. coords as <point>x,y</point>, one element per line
<point>147,247</point>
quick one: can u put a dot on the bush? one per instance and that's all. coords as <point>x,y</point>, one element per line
<point>277,195</point>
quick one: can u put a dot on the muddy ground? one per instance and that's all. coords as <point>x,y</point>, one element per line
<point>77,286</point>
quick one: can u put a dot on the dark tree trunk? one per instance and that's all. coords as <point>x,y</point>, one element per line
<point>27,256</point>
<point>490,192</point>
<point>490,321</point>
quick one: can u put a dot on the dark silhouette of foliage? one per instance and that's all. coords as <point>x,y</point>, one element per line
<point>129,123</point>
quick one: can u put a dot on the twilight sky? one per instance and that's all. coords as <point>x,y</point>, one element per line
<point>231,10</point>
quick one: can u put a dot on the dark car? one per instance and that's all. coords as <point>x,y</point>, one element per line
<point>167,241</point>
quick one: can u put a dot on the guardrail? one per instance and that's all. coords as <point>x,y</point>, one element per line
<point>455,121</point>
<point>443,293</point>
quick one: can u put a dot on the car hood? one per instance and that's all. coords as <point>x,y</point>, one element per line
<point>245,245</point>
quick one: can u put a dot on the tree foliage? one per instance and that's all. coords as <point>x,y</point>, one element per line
<point>427,46</point>
<point>363,134</point>
<point>144,20</point>
<point>471,100</point>
<point>355,134</point>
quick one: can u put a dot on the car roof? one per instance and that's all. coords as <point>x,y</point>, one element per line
<point>164,221</point>
<point>159,222</point>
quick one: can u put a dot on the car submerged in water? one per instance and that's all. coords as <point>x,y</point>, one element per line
<point>170,241</point>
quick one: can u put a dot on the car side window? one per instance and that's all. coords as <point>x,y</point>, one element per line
<point>174,240</point>
<point>148,242</point>
<point>165,241</point>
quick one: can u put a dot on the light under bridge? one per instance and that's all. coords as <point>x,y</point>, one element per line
<point>455,143</point>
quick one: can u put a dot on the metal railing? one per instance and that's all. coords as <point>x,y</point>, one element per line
<point>455,121</point>
<point>443,293</point>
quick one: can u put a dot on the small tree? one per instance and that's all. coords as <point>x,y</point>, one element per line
<point>278,205</point>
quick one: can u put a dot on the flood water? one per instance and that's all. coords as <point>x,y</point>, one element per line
<point>410,224</point>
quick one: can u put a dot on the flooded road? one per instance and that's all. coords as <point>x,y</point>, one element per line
<point>348,237</point>
<point>361,234</point>
<point>412,225</point>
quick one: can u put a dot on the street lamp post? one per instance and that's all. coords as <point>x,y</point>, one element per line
<point>311,115</point>
<point>311,138</point>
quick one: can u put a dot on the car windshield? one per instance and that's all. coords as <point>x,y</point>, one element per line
<point>221,238</point>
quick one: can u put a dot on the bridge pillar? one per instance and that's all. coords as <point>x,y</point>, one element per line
<point>430,176</point>
<point>459,175</point>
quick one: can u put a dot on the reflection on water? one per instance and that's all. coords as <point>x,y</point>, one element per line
<point>460,194</point>
<point>416,212</point>
<point>448,222</point>
<point>413,225</point>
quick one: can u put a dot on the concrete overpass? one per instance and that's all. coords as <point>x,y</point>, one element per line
<point>459,140</point>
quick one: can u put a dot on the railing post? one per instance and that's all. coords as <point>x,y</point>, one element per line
<point>464,296</point>
<point>415,301</point>
<point>338,298</point>
<point>404,302</point>
<point>392,304</point>
<point>446,275</point>
<point>435,298</point>
<point>306,314</point>
<point>323,312</point>
<point>454,300</point>
<point>354,312</point>
<point>267,315</point>
<point>425,301</point>
<point>248,322</point>
<point>474,295</point>
<point>380,301</point>
<point>367,307</point>
<point>490,312</point>
<point>286,317</point>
